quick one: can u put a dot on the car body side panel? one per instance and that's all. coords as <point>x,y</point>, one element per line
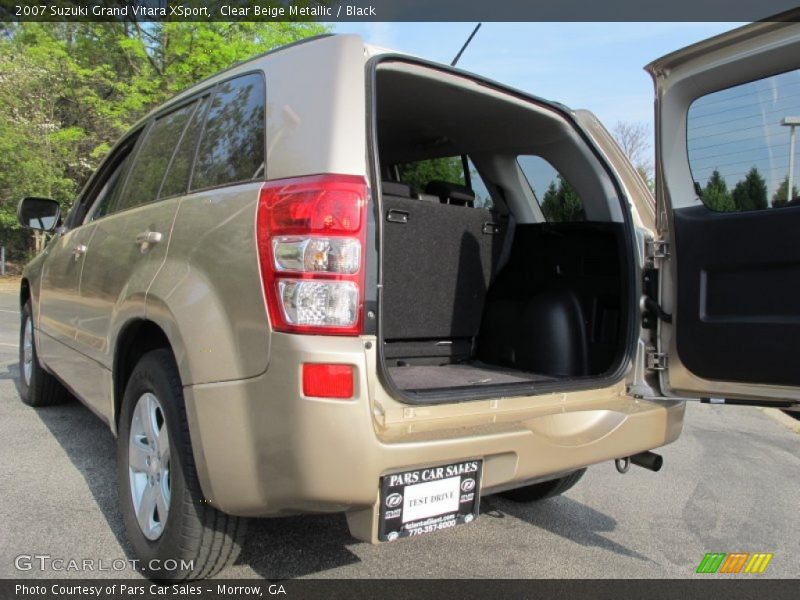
<point>316,106</point>
<point>60,276</point>
<point>114,277</point>
<point>117,273</point>
<point>207,296</point>
<point>87,379</point>
<point>55,294</point>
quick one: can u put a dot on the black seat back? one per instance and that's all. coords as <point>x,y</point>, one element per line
<point>438,263</point>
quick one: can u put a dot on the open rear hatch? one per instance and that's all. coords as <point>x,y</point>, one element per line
<point>488,288</point>
<point>729,215</point>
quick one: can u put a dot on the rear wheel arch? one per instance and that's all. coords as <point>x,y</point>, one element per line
<point>135,339</point>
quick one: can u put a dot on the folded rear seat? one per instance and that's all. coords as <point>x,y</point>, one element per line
<point>451,193</point>
<point>395,188</point>
<point>439,258</point>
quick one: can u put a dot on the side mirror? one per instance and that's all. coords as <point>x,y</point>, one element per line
<point>42,214</point>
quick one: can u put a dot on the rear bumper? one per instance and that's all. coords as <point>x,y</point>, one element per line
<point>262,448</point>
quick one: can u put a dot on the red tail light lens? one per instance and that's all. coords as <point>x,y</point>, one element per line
<point>327,381</point>
<point>311,244</point>
<point>326,204</point>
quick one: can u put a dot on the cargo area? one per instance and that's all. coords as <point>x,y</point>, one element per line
<point>479,287</point>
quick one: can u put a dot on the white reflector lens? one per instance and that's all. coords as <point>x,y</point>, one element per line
<point>319,303</point>
<point>317,255</point>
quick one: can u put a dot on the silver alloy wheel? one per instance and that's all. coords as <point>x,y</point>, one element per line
<point>149,465</point>
<point>27,351</point>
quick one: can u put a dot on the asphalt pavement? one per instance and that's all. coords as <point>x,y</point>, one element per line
<point>731,483</point>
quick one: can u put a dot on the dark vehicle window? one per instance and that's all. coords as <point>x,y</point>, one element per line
<point>110,179</point>
<point>177,179</point>
<point>232,147</point>
<point>109,192</point>
<point>153,158</point>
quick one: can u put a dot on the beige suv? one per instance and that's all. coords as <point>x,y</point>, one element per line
<point>340,279</point>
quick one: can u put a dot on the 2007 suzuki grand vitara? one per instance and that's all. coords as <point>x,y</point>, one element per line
<point>280,304</point>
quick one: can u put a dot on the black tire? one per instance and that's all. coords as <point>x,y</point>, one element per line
<point>194,531</point>
<point>545,489</point>
<point>795,414</point>
<point>42,389</point>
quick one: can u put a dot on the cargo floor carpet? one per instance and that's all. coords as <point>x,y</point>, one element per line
<point>424,377</point>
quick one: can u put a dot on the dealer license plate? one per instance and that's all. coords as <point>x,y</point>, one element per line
<point>429,499</point>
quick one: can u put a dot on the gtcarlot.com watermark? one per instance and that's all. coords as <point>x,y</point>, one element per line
<point>46,562</point>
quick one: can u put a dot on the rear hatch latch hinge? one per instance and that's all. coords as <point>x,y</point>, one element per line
<point>656,361</point>
<point>657,249</point>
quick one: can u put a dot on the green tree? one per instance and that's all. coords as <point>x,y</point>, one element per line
<point>69,90</point>
<point>716,195</point>
<point>561,203</point>
<point>751,192</point>
<point>779,197</point>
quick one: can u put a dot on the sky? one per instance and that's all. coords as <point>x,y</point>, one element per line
<point>595,66</point>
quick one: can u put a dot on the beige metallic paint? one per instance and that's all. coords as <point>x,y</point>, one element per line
<point>264,449</point>
<point>207,297</point>
<point>116,274</point>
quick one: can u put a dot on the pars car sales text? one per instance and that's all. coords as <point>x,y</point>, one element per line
<point>432,474</point>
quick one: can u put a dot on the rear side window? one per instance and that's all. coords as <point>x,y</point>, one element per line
<point>109,191</point>
<point>559,201</point>
<point>232,145</point>
<point>177,179</point>
<point>420,173</point>
<point>153,158</point>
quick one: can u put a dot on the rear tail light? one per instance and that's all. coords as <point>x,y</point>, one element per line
<point>311,243</point>
<point>327,381</point>
<point>316,254</point>
<point>321,303</point>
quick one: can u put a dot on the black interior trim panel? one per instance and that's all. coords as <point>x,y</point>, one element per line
<point>738,303</point>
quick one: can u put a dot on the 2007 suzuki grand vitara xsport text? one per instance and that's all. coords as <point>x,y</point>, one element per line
<point>277,313</point>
